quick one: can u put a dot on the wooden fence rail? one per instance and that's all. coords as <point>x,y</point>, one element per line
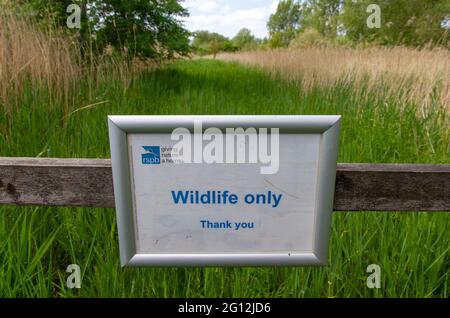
<point>359,187</point>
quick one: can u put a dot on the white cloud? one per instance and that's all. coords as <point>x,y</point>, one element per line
<point>201,5</point>
<point>228,18</point>
<point>273,6</point>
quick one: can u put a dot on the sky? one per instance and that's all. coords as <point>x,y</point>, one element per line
<point>227,17</point>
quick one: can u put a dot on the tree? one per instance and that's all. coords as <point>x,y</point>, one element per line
<point>309,37</point>
<point>404,22</point>
<point>244,40</point>
<point>322,15</point>
<point>283,24</point>
<point>408,22</point>
<point>206,42</point>
<point>147,28</point>
<point>276,40</point>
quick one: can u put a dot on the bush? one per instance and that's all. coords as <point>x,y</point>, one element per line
<point>310,37</point>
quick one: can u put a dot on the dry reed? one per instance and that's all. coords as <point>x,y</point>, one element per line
<point>31,57</point>
<point>51,61</point>
<point>414,76</point>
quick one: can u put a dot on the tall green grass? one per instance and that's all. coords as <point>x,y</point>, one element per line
<point>38,243</point>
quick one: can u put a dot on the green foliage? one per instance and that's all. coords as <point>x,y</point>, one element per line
<point>310,37</point>
<point>146,28</point>
<point>244,40</point>
<point>206,42</point>
<point>322,15</point>
<point>229,46</point>
<point>276,40</point>
<point>408,22</point>
<point>283,24</point>
<point>404,22</point>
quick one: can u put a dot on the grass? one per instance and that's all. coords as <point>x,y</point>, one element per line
<point>38,243</point>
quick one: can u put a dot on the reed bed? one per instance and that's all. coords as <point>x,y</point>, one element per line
<point>410,75</point>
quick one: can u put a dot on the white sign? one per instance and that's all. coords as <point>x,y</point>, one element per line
<point>223,190</point>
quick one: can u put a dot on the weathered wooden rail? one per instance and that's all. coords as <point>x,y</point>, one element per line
<point>359,187</point>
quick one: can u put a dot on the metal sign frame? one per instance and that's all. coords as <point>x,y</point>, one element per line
<point>120,126</point>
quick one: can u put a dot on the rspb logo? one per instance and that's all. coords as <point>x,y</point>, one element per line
<point>152,155</point>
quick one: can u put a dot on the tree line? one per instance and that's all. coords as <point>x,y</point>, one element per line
<point>139,28</point>
<point>342,22</point>
<point>401,22</point>
<point>154,28</point>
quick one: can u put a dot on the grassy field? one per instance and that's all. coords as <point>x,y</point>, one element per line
<point>37,243</point>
